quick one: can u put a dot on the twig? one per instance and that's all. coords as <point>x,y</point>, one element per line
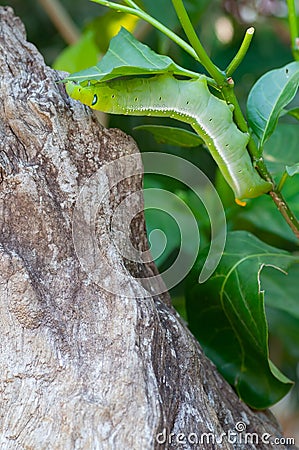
<point>155,23</point>
<point>282,181</point>
<point>236,61</point>
<point>205,60</point>
<point>285,211</point>
<point>62,20</point>
<point>293,23</point>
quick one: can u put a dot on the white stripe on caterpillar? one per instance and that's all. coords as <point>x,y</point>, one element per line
<point>189,101</point>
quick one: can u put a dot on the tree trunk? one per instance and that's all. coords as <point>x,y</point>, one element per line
<point>89,359</point>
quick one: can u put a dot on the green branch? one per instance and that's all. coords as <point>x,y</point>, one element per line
<point>62,20</point>
<point>132,4</point>
<point>293,24</point>
<point>282,181</point>
<point>285,211</point>
<point>144,16</point>
<point>187,26</point>
<point>236,61</point>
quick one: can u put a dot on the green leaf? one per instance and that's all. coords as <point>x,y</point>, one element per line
<point>276,153</point>
<point>292,170</point>
<point>172,135</point>
<point>126,56</point>
<point>268,97</point>
<point>227,315</point>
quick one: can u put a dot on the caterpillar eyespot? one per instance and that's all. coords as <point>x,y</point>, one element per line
<point>189,101</point>
<point>95,99</point>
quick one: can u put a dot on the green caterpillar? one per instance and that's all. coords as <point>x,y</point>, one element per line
<point>189,101</point>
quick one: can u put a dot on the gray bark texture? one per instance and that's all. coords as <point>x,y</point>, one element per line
<point>83,368</point>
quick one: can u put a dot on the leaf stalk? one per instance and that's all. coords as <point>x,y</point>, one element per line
<point>282,181</point>
<point>236,61</point>
<point>285,211</point>
<point>205,60</point>
<point>138,12</point>
<point>293,24</point>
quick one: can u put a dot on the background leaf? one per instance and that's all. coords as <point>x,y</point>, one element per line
<point>172,135</point>
<point>276,153</point>
<point>268,97</point>
<point>292,170</point>
<point>227,316</point>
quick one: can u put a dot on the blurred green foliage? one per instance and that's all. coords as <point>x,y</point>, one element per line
<point>40,29</point>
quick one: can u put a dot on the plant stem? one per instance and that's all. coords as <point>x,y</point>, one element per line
<point>293,23</point>
<point>236,61</point>
<point>144,16</point>
<point>225,82</point>
<point>231,99</point>
<point>187,26</point>
<point>62,20</point>
<point>258,162</point>
<point>285,211</point>
<point>283,179</point>
<point>132,4</point>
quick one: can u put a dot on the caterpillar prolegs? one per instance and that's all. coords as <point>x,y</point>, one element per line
<point>189,101</point>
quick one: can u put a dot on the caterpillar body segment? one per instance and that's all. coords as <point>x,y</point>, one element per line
<point>189,101</point>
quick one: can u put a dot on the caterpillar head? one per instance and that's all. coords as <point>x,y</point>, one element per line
<point>85,94</point>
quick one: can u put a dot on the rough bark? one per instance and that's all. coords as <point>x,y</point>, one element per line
<point>81,367</point>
